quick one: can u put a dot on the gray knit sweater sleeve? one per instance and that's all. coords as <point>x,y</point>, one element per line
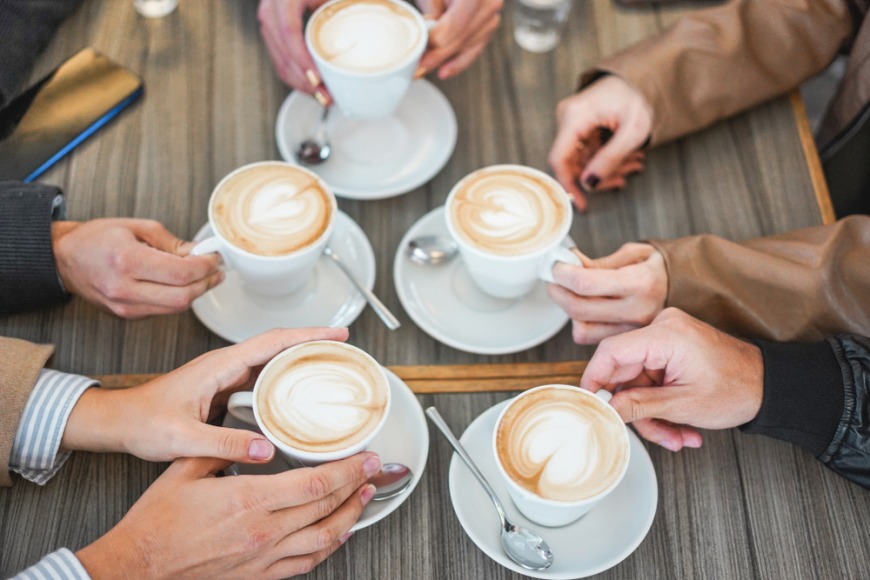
<point>28,274</point>
<point>26,26</point>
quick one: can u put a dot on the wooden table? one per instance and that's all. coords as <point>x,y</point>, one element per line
<point>739,507</point>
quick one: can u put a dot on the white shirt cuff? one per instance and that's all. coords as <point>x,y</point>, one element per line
<point>60,565</point>
<point>35,449</point>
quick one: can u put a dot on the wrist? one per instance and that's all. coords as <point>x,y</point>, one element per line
<point>112,556</point>
<point>59,231</point>
<point>97,423</point>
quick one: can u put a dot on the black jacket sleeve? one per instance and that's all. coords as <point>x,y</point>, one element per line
<point>26,26</point>
<point>28,274</point>
<point>818,396</point>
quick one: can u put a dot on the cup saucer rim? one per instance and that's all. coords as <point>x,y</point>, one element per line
<point>639,462</point>
<point>345,228</point>
<point>428,224</point>
<point>441,152</point>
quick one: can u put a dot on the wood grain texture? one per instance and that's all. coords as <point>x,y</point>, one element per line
<point>739,507</point>
<point>811,152</point>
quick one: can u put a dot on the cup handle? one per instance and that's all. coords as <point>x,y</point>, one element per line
<point>559,254</point>
<point>604,395</point>
<point>241,406</point>
<point>430,24</point>
<point>211,245</point>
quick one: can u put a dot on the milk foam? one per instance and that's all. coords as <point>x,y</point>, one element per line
<point>509,211</point>
<point>560,445</point>
<point>272,210</point>
<point>322,397</point>
<point>365,35</point>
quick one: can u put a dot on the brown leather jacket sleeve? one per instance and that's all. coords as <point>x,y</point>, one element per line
<point>800,286</point>
<point>20,363</point>
<point>719,61</point>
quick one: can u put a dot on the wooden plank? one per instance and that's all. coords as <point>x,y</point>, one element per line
<point>811,154</point>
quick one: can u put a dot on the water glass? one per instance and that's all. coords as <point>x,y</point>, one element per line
<point>538,23</point>
<point>155,8</point>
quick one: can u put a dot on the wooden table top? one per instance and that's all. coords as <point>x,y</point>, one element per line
<point>739,507</point>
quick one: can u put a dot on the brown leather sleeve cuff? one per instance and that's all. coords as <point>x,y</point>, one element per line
<point>20,363</point>
<point>803,394</point>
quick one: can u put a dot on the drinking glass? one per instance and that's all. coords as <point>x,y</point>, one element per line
<point>155,8</point>
<point>538,23</point>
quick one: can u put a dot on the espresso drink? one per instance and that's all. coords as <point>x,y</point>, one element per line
<point>365,36</point>
<point>272,210</point>
<point>322,397</point>
<point>508,211</point>
<point>562,444</point>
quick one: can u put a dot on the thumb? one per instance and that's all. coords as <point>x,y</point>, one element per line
<point>431,9</point>
<point>239,445</point>
<point>643,403</point>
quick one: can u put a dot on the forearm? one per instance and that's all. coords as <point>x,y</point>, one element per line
<point>97,423</point>
<point>804,285</point>
<point>27,265</point>
<point>818,396</point>
<point>714,63</point>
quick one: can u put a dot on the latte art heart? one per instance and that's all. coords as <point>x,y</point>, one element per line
<point>323,397</point>
<point>508,211</point>
<point>272,210</point>
<point>560,445</point>
<point>365,35</point>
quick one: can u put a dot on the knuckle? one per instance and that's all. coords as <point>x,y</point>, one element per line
<point>306,564</point>
<point>325,537</point>
<point>122,310</point>
<point>580,334</point>
<point>229,446</point>
<point>317,485</point>
<point>633,408</point>
<point>256,538</point>
<point>326,506</point>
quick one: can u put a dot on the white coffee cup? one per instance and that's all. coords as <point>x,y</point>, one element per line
<point>317,388</point>
<point>514,274</point>
<point>369,94</point>
<point>560,512</point>
<point>268,275</point>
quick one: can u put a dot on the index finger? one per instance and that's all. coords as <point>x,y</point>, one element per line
<point>622,358</point>
<point>305,485</point>
<point>590,281</point>
<point>154,265</point>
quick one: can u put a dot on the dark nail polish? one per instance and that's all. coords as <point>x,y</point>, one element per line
<point>592,181</point>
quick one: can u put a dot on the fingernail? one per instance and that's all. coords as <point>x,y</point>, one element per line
<point>344,537</point>
<point>372,465</point>
<point>592,180</point>
<point>318,95</point>
<point>260,449</point>
<point>420,72</point>
<point>669,444</point>
<point>312,77</point>
<point>367,494</point>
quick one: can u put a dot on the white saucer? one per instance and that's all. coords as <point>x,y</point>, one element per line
<point>375,159</point>
<point>327,299</point>
<point>404,439</point>
<point>449,307</point>
<point>596,542</point>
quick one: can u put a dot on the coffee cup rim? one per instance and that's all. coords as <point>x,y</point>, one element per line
<point>313,246</point>
<point>315,456</point>
<point>555,502</point>
<point>418,50</point>
<point>467,246</point>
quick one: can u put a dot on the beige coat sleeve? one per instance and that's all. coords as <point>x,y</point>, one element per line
<point>799,286</point>
<point>20,363</point>
<point>719,61</point>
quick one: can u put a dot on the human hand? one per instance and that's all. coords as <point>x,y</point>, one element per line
<point>281,25</point>
<point>676,374</point>
<point>134,268</point>
<point>578,158</point>
<point>463,29</point>
<point>613,294</point>
<point>191,524</point>
<point>166,418</point>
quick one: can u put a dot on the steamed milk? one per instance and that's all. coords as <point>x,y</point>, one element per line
<point>272,210</point>
<point>322,397</point>
<point>365,36</point>
<point>561,444</point>
<point>508,211</point>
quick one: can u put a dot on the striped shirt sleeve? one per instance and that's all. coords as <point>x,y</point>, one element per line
<point>60,565</point>
<point>37,442</point>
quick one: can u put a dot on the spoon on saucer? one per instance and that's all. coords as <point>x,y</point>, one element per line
<point>316,150</point>
<point>523,546</point>
<point>431,250</point>
<point>393,480</point>
<point>385,315</point>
